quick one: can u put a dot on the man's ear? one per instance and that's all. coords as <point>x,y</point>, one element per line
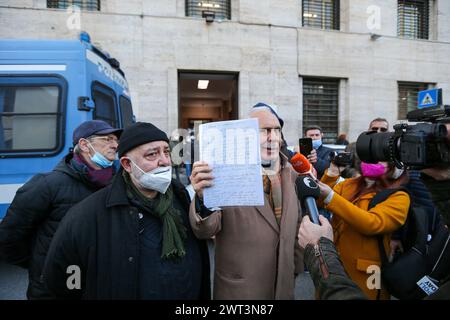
<point>83,145</point>
<point>126,164</point>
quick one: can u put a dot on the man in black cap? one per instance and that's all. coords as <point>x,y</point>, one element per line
<point>131,240</point>
<point>38,207</point>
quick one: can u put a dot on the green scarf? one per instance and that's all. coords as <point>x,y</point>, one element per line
<point>174,231</point>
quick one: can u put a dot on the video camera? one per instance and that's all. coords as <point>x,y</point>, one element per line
<point>341,159</point>
<point>417,146</point>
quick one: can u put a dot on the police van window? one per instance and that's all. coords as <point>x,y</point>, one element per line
<point>126,111</point>
<point>105,107</point>
<point>28,118</point>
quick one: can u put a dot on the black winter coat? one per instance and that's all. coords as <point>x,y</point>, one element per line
<point>100,235</point>
<point>33,217</point>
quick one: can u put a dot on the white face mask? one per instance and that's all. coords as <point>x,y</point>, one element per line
<point>158,179</point>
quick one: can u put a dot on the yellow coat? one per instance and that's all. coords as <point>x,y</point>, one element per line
<point>356,229</point>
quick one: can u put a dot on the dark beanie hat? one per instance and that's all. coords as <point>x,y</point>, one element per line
<point>137,134</point>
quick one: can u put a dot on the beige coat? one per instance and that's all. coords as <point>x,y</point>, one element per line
<point>255,258</point>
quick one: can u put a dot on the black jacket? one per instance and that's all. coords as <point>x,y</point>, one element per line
<point>34,215</point>
<point>440,194</point>
<point>100,235</point>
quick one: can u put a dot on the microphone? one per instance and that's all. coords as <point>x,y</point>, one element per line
<point>301,164</point>
<point>307,192</point>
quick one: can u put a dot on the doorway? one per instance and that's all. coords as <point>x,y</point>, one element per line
<point>206,97</point>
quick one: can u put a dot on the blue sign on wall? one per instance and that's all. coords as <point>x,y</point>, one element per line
<point>429,98</point>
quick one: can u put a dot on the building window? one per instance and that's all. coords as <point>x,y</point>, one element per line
<point>321,106</point>
<point>323,14</point>
<point>413,19</point>
<point>90,5</point>
<point>221,8</point>
<point>407,96</point>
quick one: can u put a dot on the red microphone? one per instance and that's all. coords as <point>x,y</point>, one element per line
<point>300,164</point>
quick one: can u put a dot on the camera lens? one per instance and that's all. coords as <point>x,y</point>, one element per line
<point>332,155</point>
<point>372,147</point>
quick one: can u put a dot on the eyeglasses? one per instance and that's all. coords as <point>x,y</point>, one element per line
<point>382,129</point>
<point>273,131</point>
<point>107,139</point>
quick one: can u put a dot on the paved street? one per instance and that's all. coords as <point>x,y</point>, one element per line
<point>13,282</point>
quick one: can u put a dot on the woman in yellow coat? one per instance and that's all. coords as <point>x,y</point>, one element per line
<point>356,228</point>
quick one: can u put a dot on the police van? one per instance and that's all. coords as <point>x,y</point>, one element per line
<point>47,89</point>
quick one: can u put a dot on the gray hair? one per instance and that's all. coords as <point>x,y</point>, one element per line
<point>259,109</point>
<point>77,149</point>
<point>379,120</point>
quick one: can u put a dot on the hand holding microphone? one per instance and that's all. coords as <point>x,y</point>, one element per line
<point>307,186</point>
<point>303,167</point>
<point>307,192</point>
<point>310,233</point>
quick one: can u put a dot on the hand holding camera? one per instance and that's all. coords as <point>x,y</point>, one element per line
<point>338,162</point>
<point>341,159</point>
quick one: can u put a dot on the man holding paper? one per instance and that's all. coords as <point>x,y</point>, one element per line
<point>257,253</point>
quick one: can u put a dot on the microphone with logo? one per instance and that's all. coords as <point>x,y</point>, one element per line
<point>307,192</point>
<point>307,189</point>
<point>301,164</point>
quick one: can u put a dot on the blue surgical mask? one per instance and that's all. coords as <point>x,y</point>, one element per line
<point>100,159</point>
<point>317,143</point>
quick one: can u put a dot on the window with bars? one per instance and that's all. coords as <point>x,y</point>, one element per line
<point>321,106</point>
<point>413,19</point>
<point>407,96</point>
<point>221,8</point>
<point>89,5</point>
<point>323,14</point>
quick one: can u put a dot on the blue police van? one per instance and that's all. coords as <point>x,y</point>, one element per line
<point>47,89</point>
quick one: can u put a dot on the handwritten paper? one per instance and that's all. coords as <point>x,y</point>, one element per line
<point>232,149</point>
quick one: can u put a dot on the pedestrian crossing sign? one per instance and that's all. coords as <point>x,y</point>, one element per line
<point>429,98</point>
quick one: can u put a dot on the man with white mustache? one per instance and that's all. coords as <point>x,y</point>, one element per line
<point>256,254</point>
